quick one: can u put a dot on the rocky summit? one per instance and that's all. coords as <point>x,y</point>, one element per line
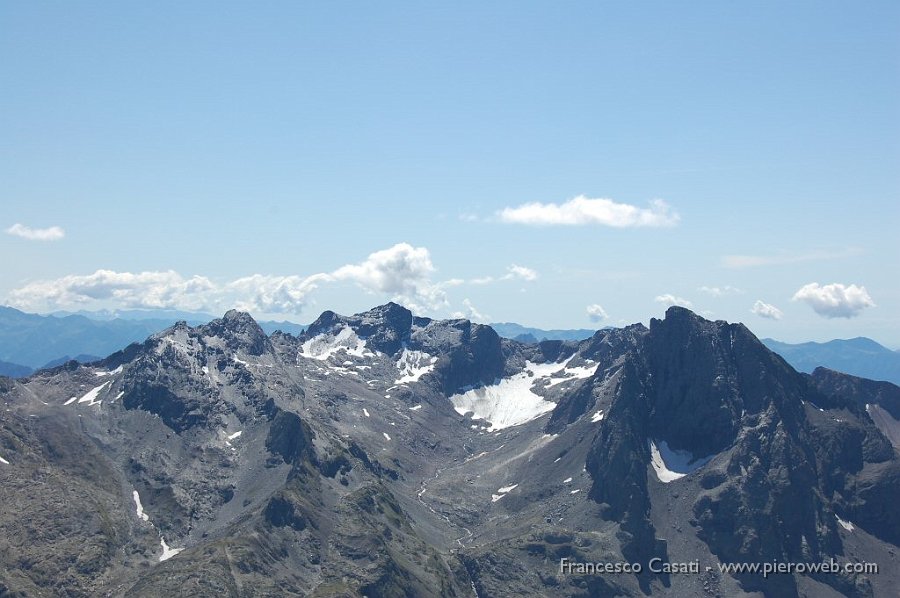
<point>384,454</point>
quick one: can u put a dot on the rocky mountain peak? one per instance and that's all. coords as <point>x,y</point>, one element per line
<point>385,328</point>
<point>388,326</point>
<point>239,330</point>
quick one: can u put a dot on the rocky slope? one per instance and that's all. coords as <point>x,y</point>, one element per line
<point>384,454</point>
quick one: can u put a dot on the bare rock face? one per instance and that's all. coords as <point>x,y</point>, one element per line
<point>215,460</point>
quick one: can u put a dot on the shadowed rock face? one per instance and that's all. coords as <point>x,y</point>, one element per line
<point>858,390</point>
<point>289,437</point>
<point>712,388</point>
<point>476,359</point>
<point>336,474</point>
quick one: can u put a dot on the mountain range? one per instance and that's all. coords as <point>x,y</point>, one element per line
<point>31,341</point>
<point>384,454</point>
<point>858,356</point>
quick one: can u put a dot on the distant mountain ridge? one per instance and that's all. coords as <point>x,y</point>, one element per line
<point>14,370</point>
<point>858,356</point>
<point>34,341</point>
<point>31,341</point>
<point>514,331</point>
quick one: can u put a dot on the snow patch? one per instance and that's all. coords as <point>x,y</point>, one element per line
<point>575,491</point>
<point>365,412</point>
<point>235,435</point>
<point>671,465</point>
<point>478,456</point>
<point>413,365</point>
<point>845,524</point>
<point>567,480</point>
<point>323,346</point>
<point>386,436</point>
<point>110,373</point>
<point>167,552</point>
<point>90,397</point>
<point>597,416</point>
<point>573,373</point>
<point>4,461</point>
<point>138,507</point>
<point>510,401</point>
<point>416,408</point>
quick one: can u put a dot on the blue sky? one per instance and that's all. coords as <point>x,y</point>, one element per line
<point>293,157</point>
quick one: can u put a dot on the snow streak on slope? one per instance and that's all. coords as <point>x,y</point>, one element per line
<point>510,401</point>
<point>90,397</point>
<point>501,492</point>
<point>845,524</point>
<point>573,373</point>
<point>323,346</point>
<point>118,370</point>
<point>413,365</point>
<point>167,552</point>
<point>671,465</point>
<point>138,507</point>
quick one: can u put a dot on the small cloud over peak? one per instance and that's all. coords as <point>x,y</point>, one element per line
<point>835,300</point>
<point>53,233</point>
<point>669,300</point>
<point>470,313</point>
<point>766,310</point>
<point>596,313</point>
<point>581,211</point>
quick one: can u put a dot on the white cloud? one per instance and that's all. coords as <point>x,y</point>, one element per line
<point>403,273</point>
<point>721,291</point>
<point>513,272</point>
<point>144,289</point>
<point>520,272</point>
<point>272,294</point>
<point>835,300</point>
<point>669,300</point>
<point>751,261</point>
<point>583,210</point>
<point>766,310</point>
<point>53,233</point>
<point>470,313</point>
<point>596,313</point>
